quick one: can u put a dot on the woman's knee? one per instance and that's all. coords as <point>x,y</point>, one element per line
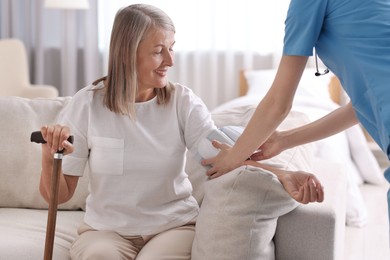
<point>100,245</point>
<point>171,244</point>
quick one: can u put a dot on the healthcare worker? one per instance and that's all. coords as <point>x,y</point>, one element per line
<point>352,38</point>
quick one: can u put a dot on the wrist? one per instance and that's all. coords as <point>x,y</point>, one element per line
<point>286,140</point>
<point>233,161</point>
<point>277,171</point>
<point>47,161</point>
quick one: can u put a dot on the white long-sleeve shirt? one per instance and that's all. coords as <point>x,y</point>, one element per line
<point>136,168</point>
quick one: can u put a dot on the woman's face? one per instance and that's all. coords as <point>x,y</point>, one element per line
<point>154,57</point>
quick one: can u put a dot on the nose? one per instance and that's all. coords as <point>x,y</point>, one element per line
<point>169,58</point>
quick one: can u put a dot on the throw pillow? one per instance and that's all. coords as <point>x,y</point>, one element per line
<point>20,159</point>
<point>239,214</point>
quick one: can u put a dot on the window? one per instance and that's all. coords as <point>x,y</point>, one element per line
<point>246,25</point>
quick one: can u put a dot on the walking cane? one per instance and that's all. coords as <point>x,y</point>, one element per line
<point>53,202</point>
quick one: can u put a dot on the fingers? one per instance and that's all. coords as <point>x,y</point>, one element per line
<point>220,145</point>
<point>312,191</point>
<point>209,161</point>
<point>68,147</point>
<point>257,156</point>
<point>212,160</point>
<point>319,189</point>
<point>214,175</point>
<point>316,190</point>
<point>214,171</point>
<point>306,194</point>
<point>56,137</point>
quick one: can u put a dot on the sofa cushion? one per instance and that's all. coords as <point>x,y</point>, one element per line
<point>20,159</point>
<point>23,233</point>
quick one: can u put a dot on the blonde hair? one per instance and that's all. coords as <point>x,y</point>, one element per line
<point>130,26</point>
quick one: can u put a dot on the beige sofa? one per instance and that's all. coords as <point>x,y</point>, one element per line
<point>314,231</point>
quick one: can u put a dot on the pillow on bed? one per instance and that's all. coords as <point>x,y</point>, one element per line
<point>363,157</point>
<point>260,81</point>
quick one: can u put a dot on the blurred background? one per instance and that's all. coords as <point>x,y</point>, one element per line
<point>67,41</point>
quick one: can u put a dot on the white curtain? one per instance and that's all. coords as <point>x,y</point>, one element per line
<point>214,40</point>
<point>62,45</point>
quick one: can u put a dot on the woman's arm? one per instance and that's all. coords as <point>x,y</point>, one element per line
<point>302,186</point>
<point>56,139</point>
<point>270,112</point>
<point>334,122</point>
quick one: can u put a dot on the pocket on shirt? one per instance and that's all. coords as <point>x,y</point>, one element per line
<point>106,156</point>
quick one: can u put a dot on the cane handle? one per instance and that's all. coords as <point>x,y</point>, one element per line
<point>37,137</point>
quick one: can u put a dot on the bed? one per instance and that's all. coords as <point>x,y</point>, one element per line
<point>347,154</point>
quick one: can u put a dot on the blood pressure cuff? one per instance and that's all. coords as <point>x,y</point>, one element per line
<point>226,134</point>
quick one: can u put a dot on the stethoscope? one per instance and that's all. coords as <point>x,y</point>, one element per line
<point>318,73</point>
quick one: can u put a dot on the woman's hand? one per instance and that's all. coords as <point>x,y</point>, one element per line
<point>302,186</point>
<point>56,139</point>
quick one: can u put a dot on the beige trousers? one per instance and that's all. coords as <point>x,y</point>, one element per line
<point>93,244</point>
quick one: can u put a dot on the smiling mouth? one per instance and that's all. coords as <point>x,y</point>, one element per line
<point>161,73</point>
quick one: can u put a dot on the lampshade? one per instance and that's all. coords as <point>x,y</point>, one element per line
<point>67,4</point>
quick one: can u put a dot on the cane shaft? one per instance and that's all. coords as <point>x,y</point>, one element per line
<point>53,204</point>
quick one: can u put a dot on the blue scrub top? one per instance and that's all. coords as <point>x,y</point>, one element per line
<point>352,38</point>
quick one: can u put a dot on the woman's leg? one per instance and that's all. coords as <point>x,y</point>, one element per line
<point>104,245</point>
<point>171,244</point>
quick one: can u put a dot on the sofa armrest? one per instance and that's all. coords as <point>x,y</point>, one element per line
<point>316,230</point>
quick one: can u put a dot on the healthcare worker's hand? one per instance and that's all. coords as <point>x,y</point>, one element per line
<point>270,148</point>
<point>222,163</point>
